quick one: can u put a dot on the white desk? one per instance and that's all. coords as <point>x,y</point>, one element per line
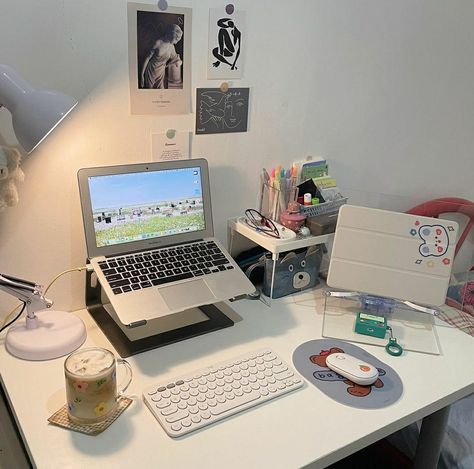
<point>293,431</point>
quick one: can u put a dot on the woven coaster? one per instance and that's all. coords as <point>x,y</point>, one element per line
<point>61,419</point>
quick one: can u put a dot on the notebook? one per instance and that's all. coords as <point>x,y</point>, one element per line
<point>149,236</point>
<point>392,254</point>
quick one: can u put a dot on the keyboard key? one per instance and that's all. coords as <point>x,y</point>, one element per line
<point>181,414</point>
<point>119,283</point>
<point>172,278</point>
<point>113,277</point>
<point>107,272</point>
<point>220,262</point>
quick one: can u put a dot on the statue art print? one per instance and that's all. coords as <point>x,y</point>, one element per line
<point>159,59</point>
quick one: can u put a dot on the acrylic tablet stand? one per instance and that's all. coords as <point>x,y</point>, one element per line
<point>415,331</point>
<point>394,256</point>
<point>157,332</point>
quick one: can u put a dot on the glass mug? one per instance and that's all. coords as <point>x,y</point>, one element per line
<point>91,384</point>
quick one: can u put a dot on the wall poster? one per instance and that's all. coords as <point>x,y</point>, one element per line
<point>159,57</point>
<point>227,36</point>
<point>170,145</point>
<point>219,112</point>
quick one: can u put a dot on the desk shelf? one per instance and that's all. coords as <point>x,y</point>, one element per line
<point>273,245</point>
<point>238,230</point>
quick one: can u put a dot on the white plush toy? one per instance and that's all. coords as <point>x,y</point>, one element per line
<point>10,175</point>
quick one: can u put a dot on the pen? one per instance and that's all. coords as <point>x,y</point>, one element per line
<point>264,179</point>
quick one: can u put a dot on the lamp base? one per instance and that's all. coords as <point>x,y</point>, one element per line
<point>58,334</point>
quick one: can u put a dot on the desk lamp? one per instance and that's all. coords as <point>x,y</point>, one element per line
<point>48,334</point>
<point>42,336</point>
<point>35,111</point>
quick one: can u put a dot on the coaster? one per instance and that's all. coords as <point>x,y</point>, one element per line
<point>61,419</point>
<point>310,361</point>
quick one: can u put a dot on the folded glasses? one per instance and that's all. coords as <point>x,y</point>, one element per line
<point>260,223</point>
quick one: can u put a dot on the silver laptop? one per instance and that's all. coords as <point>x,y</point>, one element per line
<point>149,237</point>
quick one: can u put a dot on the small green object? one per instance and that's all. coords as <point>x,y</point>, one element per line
<point>315,201</point>
<point>393,347</point>
<point>369,324</point>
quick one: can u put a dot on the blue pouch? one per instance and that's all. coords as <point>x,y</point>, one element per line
<point>295,271</point>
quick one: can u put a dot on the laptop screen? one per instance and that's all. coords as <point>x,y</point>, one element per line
<point>140,206</point>
<point>145,205</point>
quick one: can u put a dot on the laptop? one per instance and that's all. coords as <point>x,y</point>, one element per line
<point>392,254</point>
<point>149,237</point>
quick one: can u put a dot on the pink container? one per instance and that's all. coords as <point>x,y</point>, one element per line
<point>293,221</point>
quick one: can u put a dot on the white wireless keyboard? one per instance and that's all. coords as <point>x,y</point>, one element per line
<point>190,402</point>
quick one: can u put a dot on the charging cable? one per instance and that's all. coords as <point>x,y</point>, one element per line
<point>7,322</point>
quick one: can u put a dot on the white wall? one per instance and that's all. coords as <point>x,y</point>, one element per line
<point>383,89</point>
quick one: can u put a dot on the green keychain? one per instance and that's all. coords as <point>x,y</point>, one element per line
<point>393,347</point>
<point>376,326</point>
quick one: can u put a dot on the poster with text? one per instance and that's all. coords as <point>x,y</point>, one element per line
<point>159,56</point>
<point>170,146</point>
<point>219,112</point>
<point>227,39</point>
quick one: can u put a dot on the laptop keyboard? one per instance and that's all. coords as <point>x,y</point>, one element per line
<point>152,268</point>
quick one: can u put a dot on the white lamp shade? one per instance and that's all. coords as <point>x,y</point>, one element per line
<point>35,112</point>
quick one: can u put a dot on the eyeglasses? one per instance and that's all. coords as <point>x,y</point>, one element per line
<point>261,223</point>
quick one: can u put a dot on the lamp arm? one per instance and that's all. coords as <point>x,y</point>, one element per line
<point>28,292</point>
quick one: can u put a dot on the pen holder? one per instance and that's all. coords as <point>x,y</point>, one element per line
<point>273,201</point>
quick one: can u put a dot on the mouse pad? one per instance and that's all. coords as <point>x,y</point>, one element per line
<point>310,361</point>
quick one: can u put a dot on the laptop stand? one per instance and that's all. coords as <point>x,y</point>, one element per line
<point>214,320</point>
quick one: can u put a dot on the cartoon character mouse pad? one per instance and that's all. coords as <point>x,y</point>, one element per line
<point>310,360</point>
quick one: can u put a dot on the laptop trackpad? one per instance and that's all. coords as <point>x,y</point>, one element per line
<point>182,296</point>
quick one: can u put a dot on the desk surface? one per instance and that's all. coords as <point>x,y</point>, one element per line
<point>292,431</point>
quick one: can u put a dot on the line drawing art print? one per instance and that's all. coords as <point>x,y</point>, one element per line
<point>227,35</point>
<point>221,112</point>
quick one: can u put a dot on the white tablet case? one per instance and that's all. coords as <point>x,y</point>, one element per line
<point>392,254</point>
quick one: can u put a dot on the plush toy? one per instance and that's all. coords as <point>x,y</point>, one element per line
<point>10,175</point>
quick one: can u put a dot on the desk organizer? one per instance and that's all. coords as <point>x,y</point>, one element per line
<point>326,207</point>
<point>274,201</point>
<point>292,272</point>
<point>414,331</point>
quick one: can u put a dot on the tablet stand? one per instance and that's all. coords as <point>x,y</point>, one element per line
<point>208,318</point>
